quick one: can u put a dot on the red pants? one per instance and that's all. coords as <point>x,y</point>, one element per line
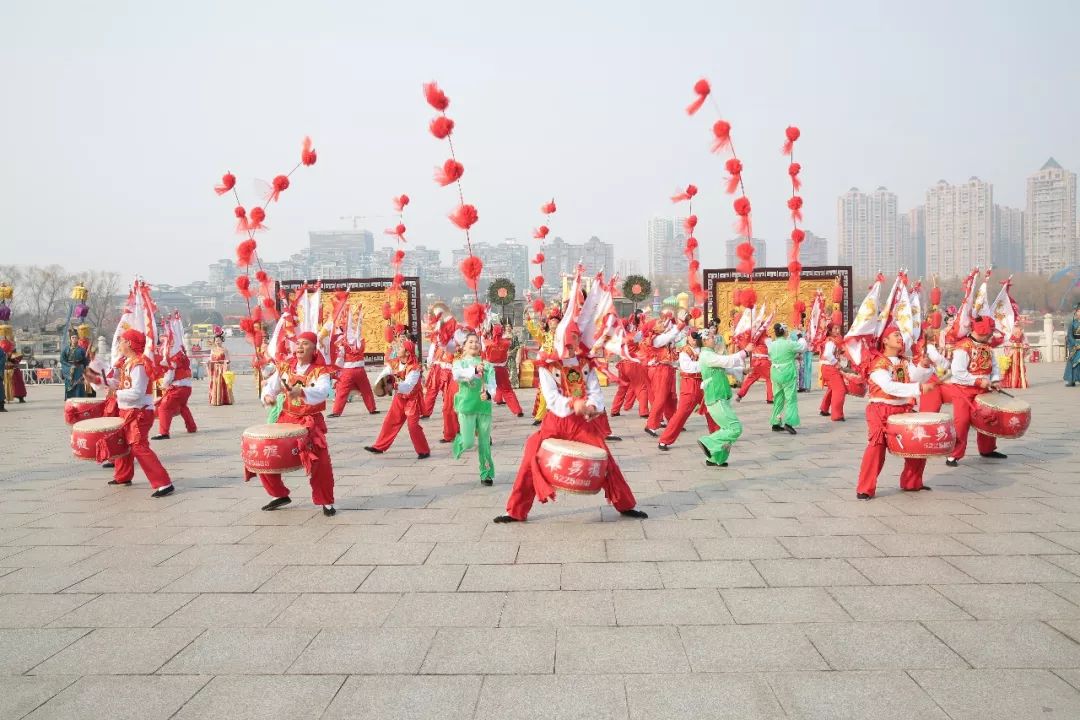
<point>350,379</point>
<point>877,414</point>
<point>450,426</point>
<point>175,402</point>
<point>835,391</point>
<point>962,398</point>
<point>931,400</point>
<point>661,395</point>
<point>760,369</point>
<point>530,483</point>
<point>321,474</point>
<point>137,432</point>
<point>403,408</point>
<point>690,397</point>
<point>503,390</point>
<point>437,379</point>
<point>633,386</point>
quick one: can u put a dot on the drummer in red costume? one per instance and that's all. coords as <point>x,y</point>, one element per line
<point>760,369</point>
<point>404,368</point>
<point>496,351</point>
<point>931,400</point>
<point>660,343</point>
<point>832,404</point>
<point>573,396</point>
<point>129,386</point>
<point>177,384</point>
<point>690,392</point>
<point>305,381</point>
<point>633,384</point>
<point>351,375</point>
<point>974,372</point>
<point>891,391</point>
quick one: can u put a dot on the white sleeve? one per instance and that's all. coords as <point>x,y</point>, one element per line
<point>318,392</point>
<point>936,357</point>
<point>666,337</point>
<point>688,365</point>
<point>409,382</point>
<point>828,353</point>
<point>491,387</point>
<point>919,374</point>
<point>462,373</point>
<point>727,362</point>
<point>556,401</point>
<point>801,342</point>
<point>431,352</point>
<point>594,394</point>
<point>272,387</point>
<point>884,380</point>
<point>167,378</point>
<point>995,369</point>
<point>384,372</point>
<point>134,394</point>
<point>959,369</point>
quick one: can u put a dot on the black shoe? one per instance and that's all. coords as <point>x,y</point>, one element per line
<point>824,413</point>
<point>163,492</point>
<point>840,420</point>
<point>108,464</point>
<point>521,414</point>
<point>615,414</point>
<point>704,449</point>
<point>1070,384</point>
<point>778,428</point>
<point>424,417</point>
<point>652,432</point>
<point>160,437</point>
<point>924,487</point>
<point>277,502</point>
<point>634,513</point>
<point>994,454</point>
<point>536,422</point>
<point>423,456</point>
<point>738,398</point>
<point>863,496</point>
<point>951,463</point>
<point>487,481</point>
<point>768,402</point>
<point>501,402</point>
<point>373,449</point>
<point>710,463</point>
<point>613,438</point>
<point>3,409</point>
<point>374,412</point>
<point>334,415</point>
<point>662,446</point>
<point>22,400</point>
<point>118,482</point>
<point>506,519</point>
<point>790,430</point>
<point>444,441</point>
<point>663,423</point>
<point>329,510</point>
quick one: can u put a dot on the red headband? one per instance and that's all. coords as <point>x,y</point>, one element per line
<point>309,336</point>
<point>983,326</point>
<point>136,339</point>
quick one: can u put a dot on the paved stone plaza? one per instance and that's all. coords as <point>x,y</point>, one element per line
<point>761,590</point>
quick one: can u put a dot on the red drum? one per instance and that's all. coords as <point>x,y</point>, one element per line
<point>1000,416</point>
<point>920,434</point>
<point>273,448</point>
<point>76,409</point>
<point>99,439</point>
<point>572,466</point>
<point>855,384</point>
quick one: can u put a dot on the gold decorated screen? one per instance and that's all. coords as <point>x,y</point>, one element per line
<point>773,293</point>
<point>374,325</point>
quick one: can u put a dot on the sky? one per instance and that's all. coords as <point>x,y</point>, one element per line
<point>120,117</point>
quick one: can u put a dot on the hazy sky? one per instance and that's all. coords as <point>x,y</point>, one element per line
<point>120,116</point>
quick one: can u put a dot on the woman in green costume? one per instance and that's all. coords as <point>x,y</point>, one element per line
<point>717,388</point>
<point>476,387</point>
<point>783,353</point>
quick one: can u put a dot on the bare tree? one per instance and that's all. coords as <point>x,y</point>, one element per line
<point>43,289</point>
<point>103,288</point>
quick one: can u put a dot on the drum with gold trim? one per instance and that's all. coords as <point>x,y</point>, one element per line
<point>854,383</point>
<point>76,409</point>
<point>572,466</point>
<point>99,439</point>
<point>1000,416</point>
<point>273,448</point>
<point>920,434</point>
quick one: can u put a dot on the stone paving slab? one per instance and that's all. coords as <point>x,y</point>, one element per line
<point>761,590</point>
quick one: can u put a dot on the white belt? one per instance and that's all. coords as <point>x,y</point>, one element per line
<point>890,402</point>
<point>445,365</point>
<point>766,357</point>
<point>352,364</point>
<point>502,364</point>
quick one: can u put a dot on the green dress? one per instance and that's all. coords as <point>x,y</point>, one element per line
<point>474,413</point>
<point>717,389</point>
<point>785,379</point>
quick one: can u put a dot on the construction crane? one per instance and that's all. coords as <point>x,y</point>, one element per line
<point>354,218</point>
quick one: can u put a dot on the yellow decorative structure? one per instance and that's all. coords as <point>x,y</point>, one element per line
<point>79,293</point>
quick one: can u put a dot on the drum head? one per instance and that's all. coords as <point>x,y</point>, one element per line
<point>85,401</point>
<point>919,418</point>
<point>1002,402</point>
<point>104,424</point>
<point>277,430</point>
<point>569,448</point>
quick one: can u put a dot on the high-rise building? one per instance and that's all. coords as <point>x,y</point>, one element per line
<point>916,242</point>
<point>760,258</point>
<point>562,258</point>
<point>663,251</point>
<point>340,240</point>
<point>866,231</point>
<point>814,250</point>
<point>959,227</point>
<point>626,267</point>
<point>222,274</point>
<point>508,259</point>
<point>1007,252</point>
<point>1050,220</point>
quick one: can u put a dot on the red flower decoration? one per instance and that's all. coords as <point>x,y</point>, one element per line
<point>450,172</point>
<point>793,170</point>
<point>400,202</point>
<point>797,236</point>
<point>689,224</point>
<point>541,232</point>
<point>243,286</point>
<point>721,135</point>
<point>734,167</point>
<point>689,192</point>
<point>257,217</point>
<point>279,185</point>
<point>792,134</point>
<point>548,208</point>
<point>244,252</point>
<point>539,259</point>
<point>471,267</point>
<point>538,282</point>
<point>795,206</point>
<point>228,182</point>
<point>702,90</point>
<point>464,217</point>
<point>441,127</point>
<point>307,153</point>
<point>436,98</point>
<point>241,219</point>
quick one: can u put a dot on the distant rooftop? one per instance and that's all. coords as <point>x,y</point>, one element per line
<point>1051,164</point>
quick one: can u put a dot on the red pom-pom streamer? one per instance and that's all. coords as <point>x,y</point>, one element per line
<point>474,315</point>
<point>742,209</point>
<point>689,192</point>
<point>737,297</point>
<point>243,286</point>
<point>935,296</point>
<point>398,280</point>
<point>261,276</point>
<point>279,185</point>
<point>399,305</point>
<point>734,167</point>
<point>691,246</point>
<point>794,204</point>
<point>397,231</point>
<point>539,259</point>
<point>749,297</point>
<point>721,135</point>
<point>441,127</point>
<point>797,237</point>
<point>792,134</point>
<point>695,312</point>
<point>400,202</point>
<point>702,90</point>
<point>837,293</point>
<point>538,282</point>
<point>256,220</point>
<point>689,224</point>
<point>694,266</point>
<point>241,219</point>
<point>471,267</point>
<point>435,97</point>
<point>307,153</point>
<point>541,232</point>
<point>398,257</point>
<point>793,170</point>
<point>450,172</point>
<point>935,320</point>
<point>388,334</point>
<point>270,309</point>
<point>548,208</point>
<point>387,313</point>
<point>465,216</point>
<point>244,252</point>
<point>794,270</point>
<point>538,306</point>
<point>837,319</point>
<point>228,182</point>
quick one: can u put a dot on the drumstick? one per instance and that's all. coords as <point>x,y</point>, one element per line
<point>1009,395</point>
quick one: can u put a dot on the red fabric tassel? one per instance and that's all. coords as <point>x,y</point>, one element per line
<point>734,167</point>
<point>695,312</point>
<point>474,315</point>
<point>689,224</point>
<point>689,192</point>
<point>450,172</point>
<point>742,209</point>
<point>244,252</point>
<point>399,279</point>
<point>721,135</point>
<point>792,134</point>
<point>441,127</point>
<point>737,297</point>
<point>538,282</point>
<point>548,208</point>
<point>702,89</point>
<point>279,185</point>
<point>794,204</point>
<point>541,232</point>
<point>749,296</point>
<point>307,153</point>
<point>436,98</point>
<point>256,220</point>
<point>539,259</point>
<point>400,202</point>
<point>243,286</point>
<point>398,257</point>
<point>386,311</point>
<point>397,231</point>
<point>388,334</point>
<point>471,267</point>
<point>793,170</point>
<point>266,284</point>
<point>691,246</point>
<point>228,182</point>
<point>241,219</point>
<point>465,216</point>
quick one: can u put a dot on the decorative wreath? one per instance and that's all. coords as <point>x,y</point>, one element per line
<point>636,288</point>
<point>501,292</point>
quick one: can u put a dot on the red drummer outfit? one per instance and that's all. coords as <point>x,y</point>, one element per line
<point>496,351</point>
<point>174,401</point>
<point>690,397</point>
<point>833,380</point>
<point>405,407</point>
<point>661,376</point>
<point>932,400</point>
<point>351,375</point>
<point>974,369</point>
<point>760,369</point>
<point>893,386</point>
<point>441,379</point>
<point>563,382</point>
<point>632,378</point>
<point>306,411</point>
